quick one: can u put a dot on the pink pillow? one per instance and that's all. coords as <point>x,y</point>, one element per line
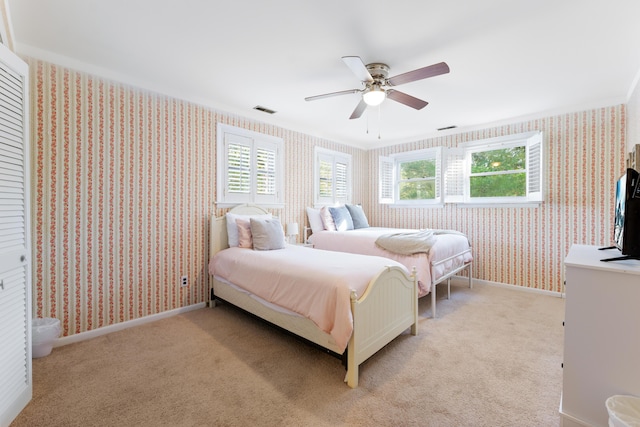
<point>244,233</point>
<point>327,219</point>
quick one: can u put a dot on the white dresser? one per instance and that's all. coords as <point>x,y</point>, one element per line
<point>601,334</point>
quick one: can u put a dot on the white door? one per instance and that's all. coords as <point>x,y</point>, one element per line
<point>15,270</point>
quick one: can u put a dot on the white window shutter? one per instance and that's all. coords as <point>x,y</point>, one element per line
<point>454,175</point>
<point>250,167</point>
<point>385,181</point>
<point>438,159</point>
<point>324,178</point>
<point>534,168</point>
<point>332,177</point>
<point>238,153</point>
<point>268,172</point>
<point>341,181</point>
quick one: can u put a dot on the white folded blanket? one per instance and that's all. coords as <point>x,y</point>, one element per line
<point>412,242</point>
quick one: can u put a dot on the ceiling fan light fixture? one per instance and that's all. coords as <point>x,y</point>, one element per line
<point>374,96</point>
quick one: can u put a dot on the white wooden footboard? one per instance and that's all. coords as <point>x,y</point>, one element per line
<point>387,308</point>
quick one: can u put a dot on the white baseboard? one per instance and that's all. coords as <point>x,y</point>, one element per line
<point>567,420</point>
<point>465,280</point>
<point>83,336</point>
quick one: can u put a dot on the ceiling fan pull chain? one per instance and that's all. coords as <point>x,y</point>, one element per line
<point>367,123</point>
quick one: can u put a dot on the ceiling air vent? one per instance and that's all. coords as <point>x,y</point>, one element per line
<point>264,109</point>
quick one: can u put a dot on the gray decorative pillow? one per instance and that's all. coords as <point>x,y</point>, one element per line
<point>358,216</point>
<point>342,218</point>
<point>267,234</point>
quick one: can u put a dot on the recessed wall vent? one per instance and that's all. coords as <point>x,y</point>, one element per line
<point>448,127</point>
<point>264,109</point>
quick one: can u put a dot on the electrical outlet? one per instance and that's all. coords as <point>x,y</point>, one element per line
<point>184,281</point>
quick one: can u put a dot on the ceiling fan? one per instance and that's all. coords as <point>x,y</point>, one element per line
<point>377,86</point>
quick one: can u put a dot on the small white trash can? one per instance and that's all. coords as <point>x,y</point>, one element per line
<point>624,411</point>
<point>44,333</point>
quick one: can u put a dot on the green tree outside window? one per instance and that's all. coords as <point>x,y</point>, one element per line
<point>417,180</point>
<point>499,173</point>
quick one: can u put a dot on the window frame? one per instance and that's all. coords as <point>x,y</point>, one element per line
<point>389,177</point>
<point>459,174</point>
<point>334,158</point>
<point>255,141</point>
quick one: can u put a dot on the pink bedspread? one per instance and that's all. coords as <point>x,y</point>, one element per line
<point>313,283</point>
<point>363,241</point>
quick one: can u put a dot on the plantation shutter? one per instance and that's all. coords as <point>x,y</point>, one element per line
<point>15,277</point>
<point>385,180</point>
<point>332,176</point>
<point>265,172</point>
<point>266,155</point>
<point>239,172</point>
<point>437,156</point>
<point>454,175</point>
<point>534,168</point>
<point>324,179</point>
<point>250,167</point>
<point>341,181</point>
<point>238,160</point>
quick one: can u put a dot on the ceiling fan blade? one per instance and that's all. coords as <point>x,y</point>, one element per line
<point>328,95</point>
<point>358,68</point>
<point>359,110</point>
<point>405,99</point>
<point>419,74</point>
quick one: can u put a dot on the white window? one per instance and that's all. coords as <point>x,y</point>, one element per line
<point>332,177</point>
<point>250,167</point>
<point>496,171</point>
<point>413,178</point>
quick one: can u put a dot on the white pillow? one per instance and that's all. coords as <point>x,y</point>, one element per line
<point>232,227</point>
<point>267,234</point>
<point>315,220</point>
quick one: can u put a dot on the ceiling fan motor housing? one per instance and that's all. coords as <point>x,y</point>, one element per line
<point>378,71</point>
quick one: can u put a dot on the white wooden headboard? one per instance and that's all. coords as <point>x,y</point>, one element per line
<point>218,239</point>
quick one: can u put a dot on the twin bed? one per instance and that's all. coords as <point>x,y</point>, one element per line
<point>449,254</point>
<point>437,255</point>
<point>368,301</point>
<point>350,304</point>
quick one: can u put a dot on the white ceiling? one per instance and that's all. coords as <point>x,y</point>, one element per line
<point>508,58</point>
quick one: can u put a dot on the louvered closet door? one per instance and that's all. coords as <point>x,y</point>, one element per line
<point>15,275</point>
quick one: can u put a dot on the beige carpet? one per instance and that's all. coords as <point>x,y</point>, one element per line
<point>491,358</point>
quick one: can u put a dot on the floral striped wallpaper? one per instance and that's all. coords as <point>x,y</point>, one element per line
<point>584,155</point>
<point>124,182</point>
<point>123,185</point>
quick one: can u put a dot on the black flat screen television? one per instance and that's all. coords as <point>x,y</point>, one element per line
<point>626,228</point>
